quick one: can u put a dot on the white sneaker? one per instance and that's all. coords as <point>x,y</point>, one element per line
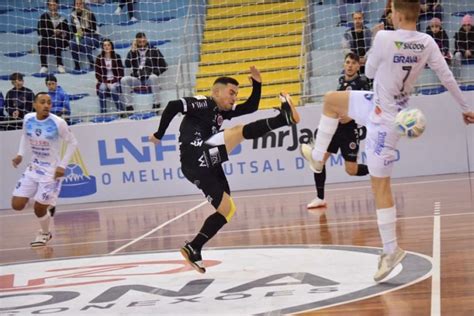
<point>133,19</point>
<point>306,151</point>
<point>41,239</point>
<point>118,11</point>
<point>61,69</point>
<point>43,70</point>
<point>388,262</point>
<point>317,202</point>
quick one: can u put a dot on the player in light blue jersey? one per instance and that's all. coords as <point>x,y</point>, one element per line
<point>43,134</point>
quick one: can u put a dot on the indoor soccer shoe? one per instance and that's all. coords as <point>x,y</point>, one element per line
<point>41,239</point>
<point>316,203</point>
<point>193,257</point>
<point>288,109</point>
<point>306,151</point>
<point>388,262</point>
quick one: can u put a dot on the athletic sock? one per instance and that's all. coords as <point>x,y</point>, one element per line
<point>362,170</point>
<point>261,127</point>
<point>44,222</point>
<point>327,128</point>
<point>211,226</point>
<point>387,223</point>
<point>320,181</point>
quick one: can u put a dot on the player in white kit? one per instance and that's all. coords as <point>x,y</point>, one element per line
<point>395,61</point>
<point>43,134</point>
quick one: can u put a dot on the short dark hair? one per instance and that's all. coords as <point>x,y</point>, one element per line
<point>140,35</point>
<point>50,77</point>
<point>352,56</point>
<point>38,95</point>
<point>409,8</point>
<point>226,81</point>
<point>16,76</point>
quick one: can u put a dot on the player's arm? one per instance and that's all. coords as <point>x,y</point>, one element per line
<point>21,149</point>
<point>251,104</point>
<point>171,110</point>
<point>373,56</point>
<point>438,64</point>
<point>71,141</point>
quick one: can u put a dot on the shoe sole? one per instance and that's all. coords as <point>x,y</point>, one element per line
<point>394,266</point>
<point>294,114</point>
<point>40,244</point>
<point>185,255</point>
<point>314,207</point>
<point>309,161</point>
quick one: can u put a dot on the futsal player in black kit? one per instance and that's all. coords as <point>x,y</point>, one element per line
<point>204,146</point>
<point>348,133</point>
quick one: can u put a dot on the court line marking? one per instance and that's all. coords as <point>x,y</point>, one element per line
<point>234,196</point>
<point>157,228</point>
<point>436,274</point>
<point>239,231</point>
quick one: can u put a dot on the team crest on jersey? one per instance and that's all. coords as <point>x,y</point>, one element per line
<point>219,119</point>
<point>38,131</point>
<point>352,145</point>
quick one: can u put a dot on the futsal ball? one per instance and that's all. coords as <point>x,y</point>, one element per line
<point>410,122</point>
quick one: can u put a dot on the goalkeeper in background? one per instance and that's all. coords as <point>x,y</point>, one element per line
<point>348,133</point>
<point>395,61</point>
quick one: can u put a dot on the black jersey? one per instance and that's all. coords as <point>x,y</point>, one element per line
<point>202,116</point>
<point>359,82</point>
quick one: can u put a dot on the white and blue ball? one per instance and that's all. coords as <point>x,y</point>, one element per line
<point>410,123</point>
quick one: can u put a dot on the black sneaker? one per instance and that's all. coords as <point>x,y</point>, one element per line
<point>193,257</point>
<point>51,210</point>
<point>288,109</point>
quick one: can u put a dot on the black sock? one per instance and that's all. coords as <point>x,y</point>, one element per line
<point>320,181</point>
<point>211,226</point>
<point>261,127</point>
<point>362,170</point>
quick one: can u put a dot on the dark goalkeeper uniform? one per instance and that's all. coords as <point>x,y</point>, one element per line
<point>348,135</point>
<point>201,163</point>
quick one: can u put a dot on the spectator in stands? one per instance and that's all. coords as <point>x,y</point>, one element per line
<point>435,30</point>
<point>85,38</point>
<point>18,101</point>
<point>342,6</point>
<point>358,39</point>
<point>463,44</point>
<point>430,9</point>
<point>59,98</point>
<point>386,18</point>
<point>54,31</point>
<point>108,72</point>
<point>147,64</point>
<point>130,8</point>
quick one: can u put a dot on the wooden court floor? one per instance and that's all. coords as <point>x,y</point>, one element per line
<point>280,217</point>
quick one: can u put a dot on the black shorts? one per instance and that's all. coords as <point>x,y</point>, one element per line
<point>203,166</point>
<point>347,139</point>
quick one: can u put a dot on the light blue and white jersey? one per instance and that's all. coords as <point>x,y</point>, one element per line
<point>44,139</point>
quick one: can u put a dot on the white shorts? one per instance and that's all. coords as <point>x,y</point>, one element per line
<point>44,192</point>
<point>382,138</point>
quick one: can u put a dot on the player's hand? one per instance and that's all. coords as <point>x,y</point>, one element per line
<point>254,74</point>
<point>376,28</point>
<point>17,160</point>
<point>468,117</point>
<point>134,45</point>
<point>59,172</point>
<point>153,139</point>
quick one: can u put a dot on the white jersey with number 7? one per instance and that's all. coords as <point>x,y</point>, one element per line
<point>395,62</point>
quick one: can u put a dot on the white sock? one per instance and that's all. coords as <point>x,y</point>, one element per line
<point>327,128</point>
<point>44,222</point>
<point>216,139</point>
<point>387,222</point>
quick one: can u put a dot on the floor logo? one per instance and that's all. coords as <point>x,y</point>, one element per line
<point>243,281</point>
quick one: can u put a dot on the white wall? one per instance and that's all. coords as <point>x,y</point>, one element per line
<point>119,175</point>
